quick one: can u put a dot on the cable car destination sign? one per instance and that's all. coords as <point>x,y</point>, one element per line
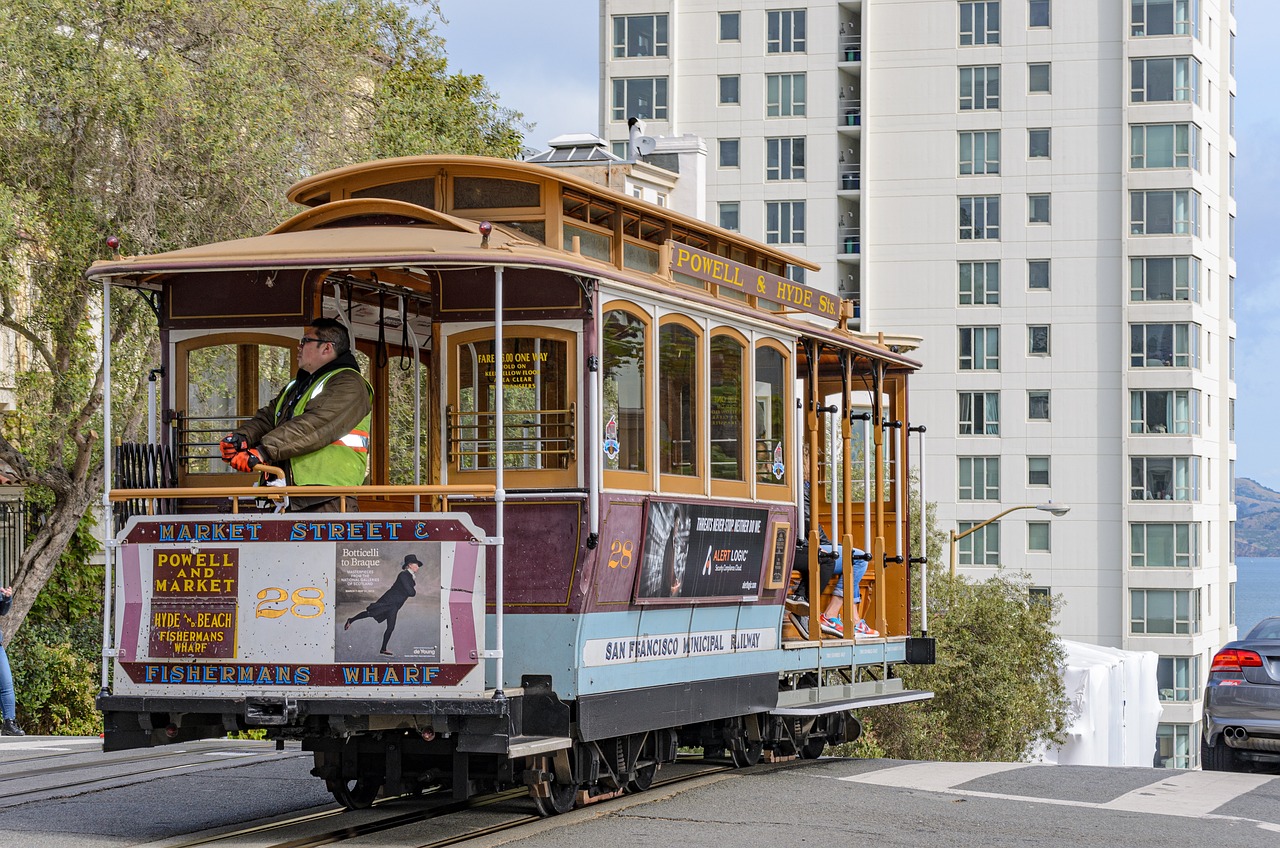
<point>710,268</point>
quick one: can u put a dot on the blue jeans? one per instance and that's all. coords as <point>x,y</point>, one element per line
<point>8,703</point>
<point>859,570</point>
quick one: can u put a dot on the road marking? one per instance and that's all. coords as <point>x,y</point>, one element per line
<point>932,777</point>
<point>1193,794</point>
<point>1190,794</point>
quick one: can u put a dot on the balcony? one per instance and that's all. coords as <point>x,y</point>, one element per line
<point>850,176</point>
<point>849,241</point>
<point>849,48</point>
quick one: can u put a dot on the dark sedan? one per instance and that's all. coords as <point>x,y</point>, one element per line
<point>1242,702</point>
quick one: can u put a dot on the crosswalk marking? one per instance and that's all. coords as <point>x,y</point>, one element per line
<point>1191,794</point>
<point>932,777</point>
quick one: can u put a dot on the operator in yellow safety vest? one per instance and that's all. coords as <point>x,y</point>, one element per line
<point>317,428</point>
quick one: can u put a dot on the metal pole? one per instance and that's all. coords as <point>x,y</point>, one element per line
<point>151,409</point>
<point>595,461</point>
<point>500,493</point>
<point>108,530</point>
<point>924,547</point>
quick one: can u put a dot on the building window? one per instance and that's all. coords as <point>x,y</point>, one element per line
<point>1038,273</point>
<point>979,413</point>
<point>784,95</point>
<point>980,88</point>
<point>1038,340</point>
<point>784,158</point>
<point>981,547</point>
<point>1231,609</point>
<point>979,478</point>
<point>1174,612</point>
<point>729,216</point>
<point>979,153</point>
<point>1037,208</point>
<point>979,283</point>
<point>1164,80</point>
<point>1040,594</point>
<point>1164,278</point>
<point>795,274</point>
<point>1178,679</point>
<point>1164,146</point>
<point>980,218</point>
<point>1177,745</point>
<point>729,90</point>
<point>1175,411</point>
<point>1037,404</point>
<point>730,26</point>
<point>1175,545</point>
<point>979,348</point>
<point>1164,17</point>
<point>639,35</point>
<point>1038,143</point>
<point>1231,174</point>
<point>1164,212</point>
<point>1164,478</point>
<point>979,23</point>
<point>786,31</point>
<point>1039,78</point>
<point>1038,537</point>
<point>784,222</point>
<point>1039,13</point>
<point>1037,471</point>
<point>640,97</point>
<point>1164,345</point>
<point>729,148</point>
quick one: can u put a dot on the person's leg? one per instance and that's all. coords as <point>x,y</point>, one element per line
<point>8,700</point>
<point>356,617</point>
<point>837,594</point>
<point>386,637</point>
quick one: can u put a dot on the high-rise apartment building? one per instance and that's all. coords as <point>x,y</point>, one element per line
<point>1044,191</point>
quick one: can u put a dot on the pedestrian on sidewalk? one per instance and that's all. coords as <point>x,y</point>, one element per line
<point>8,702</point>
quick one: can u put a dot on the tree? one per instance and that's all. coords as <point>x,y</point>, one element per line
<point>171,123</point>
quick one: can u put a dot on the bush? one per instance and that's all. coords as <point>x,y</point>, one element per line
<point>56,678</point>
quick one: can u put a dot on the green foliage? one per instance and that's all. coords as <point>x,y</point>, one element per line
<point>74,592</point>
<point>56,673</point>
<point>997,683</point>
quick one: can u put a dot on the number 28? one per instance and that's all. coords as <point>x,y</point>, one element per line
<point>306,602</point>
<point>620,551</point>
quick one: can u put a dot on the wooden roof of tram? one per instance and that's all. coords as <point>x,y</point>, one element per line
<point>375,233</point>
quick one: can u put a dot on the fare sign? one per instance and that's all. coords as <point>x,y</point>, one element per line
<point>710,268</point>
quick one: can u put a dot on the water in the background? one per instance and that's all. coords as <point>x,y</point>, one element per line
<point>1257,591</point>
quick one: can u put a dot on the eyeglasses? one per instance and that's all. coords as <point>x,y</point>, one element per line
<point>303,341</point>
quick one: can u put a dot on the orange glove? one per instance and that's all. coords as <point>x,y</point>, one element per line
<point>244,461</point>
<point>231,445</point>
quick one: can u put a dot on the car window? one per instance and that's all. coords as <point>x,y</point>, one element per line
<point>1268,628</point>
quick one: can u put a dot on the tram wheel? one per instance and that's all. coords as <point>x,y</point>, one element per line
<point>743,750</point>
<point>813,747</point>
<point>562,798</point>
<point>643,779</point>
<point>354,794</point>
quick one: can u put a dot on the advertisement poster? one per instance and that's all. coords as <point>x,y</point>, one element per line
<point>702,551</point>
<point>388,602</point>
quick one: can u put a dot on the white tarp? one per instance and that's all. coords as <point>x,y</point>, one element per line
<point>1113,707</point>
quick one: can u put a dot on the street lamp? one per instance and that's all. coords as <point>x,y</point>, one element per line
<point>1051,508</point>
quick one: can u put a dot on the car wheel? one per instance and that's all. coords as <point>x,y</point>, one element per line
<point>1219,756</point>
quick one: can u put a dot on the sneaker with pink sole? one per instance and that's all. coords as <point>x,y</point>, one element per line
<point>864,629</point>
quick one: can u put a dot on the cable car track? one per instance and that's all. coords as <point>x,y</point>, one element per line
<point>407,818</point>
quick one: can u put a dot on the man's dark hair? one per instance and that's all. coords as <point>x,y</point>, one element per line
<point>332,331</point>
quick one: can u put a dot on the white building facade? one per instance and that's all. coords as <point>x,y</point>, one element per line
<point>1043,190</point>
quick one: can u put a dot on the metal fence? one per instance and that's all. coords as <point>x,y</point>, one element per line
<point>16,524</point>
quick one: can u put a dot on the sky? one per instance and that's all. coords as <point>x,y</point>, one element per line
<point>542,57</point>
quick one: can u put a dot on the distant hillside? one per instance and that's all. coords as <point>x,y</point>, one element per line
<point>1257,519</point>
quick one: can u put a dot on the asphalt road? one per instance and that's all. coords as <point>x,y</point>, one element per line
<point>59,793</point>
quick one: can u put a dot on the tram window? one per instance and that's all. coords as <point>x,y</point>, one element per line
<point>624,392</point>
<point>639,258</point>
<point>678,400</point>
<point>593,244</point>
<point>727,419</point>
<point>419,192</point>
<point>485,193</point>
<point>538,417</point>
<point>533,229</point>
<point>400,405</point>
<point>770,416</point>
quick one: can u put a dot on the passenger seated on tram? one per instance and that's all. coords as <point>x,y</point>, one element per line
<point>317,428</point>
<point>830,620</point>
